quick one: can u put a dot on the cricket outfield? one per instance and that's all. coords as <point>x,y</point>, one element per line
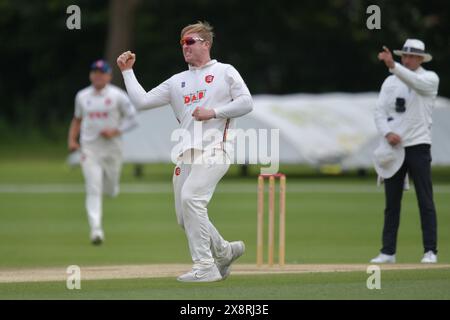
<point>333,229</point>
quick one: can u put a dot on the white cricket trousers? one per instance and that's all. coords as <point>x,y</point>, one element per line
<point>194,184</point>
<point>101,169</point>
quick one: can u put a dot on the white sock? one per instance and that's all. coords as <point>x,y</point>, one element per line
<point>94,210</point>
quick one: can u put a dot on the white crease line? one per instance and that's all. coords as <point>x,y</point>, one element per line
<point>164,188</point>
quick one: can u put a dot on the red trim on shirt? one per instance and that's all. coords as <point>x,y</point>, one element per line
<point>225,130</point>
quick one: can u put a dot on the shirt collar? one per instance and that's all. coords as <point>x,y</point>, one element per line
<point>420,70</point>
<point>211,62</point>
<point>101,92</point>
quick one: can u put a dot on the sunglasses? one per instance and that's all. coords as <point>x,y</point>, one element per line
<point>190,41</point>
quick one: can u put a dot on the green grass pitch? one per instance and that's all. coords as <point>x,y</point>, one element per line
<point>329,221</point>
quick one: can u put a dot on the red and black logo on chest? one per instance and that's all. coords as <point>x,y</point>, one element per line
<point>193,98</point>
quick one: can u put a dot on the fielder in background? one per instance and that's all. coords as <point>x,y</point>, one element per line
<point>212,95</point>
<point>403,117</point>
<point>103,113</point>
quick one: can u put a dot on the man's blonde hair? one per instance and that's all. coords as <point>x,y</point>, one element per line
<point>203,28</point>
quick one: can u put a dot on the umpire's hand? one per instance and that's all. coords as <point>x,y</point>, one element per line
<point>386,57</point>
<point>126,60</point>
<point>393,139</point>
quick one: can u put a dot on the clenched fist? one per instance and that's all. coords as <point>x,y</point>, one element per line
<point>126,60</point>
<point>202,114</point>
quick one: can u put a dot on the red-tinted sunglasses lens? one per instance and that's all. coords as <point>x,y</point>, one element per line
<point>188,41</point>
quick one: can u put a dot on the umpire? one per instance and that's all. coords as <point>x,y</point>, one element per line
<point>403,117</point>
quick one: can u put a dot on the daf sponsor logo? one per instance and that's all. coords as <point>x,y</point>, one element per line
<point>194,97</point>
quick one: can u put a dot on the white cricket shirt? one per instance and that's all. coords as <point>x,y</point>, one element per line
<point>215,86</point>
<point>108,108</point>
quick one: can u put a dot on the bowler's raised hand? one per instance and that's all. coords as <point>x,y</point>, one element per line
<point>126,60</point>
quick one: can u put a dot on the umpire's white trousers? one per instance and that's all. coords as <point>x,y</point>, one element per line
<point>194,184</point>
<point>101,170</point>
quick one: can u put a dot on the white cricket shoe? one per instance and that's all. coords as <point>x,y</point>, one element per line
<point>97,237</point>
<point>429,257</point>
<point>201,274</point>
<point>383,258</point>
<point>237,250</point>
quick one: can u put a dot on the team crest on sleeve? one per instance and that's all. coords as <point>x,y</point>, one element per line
<point>177,171</point>
<point>209,78</point>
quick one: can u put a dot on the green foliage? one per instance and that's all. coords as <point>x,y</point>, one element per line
<point>44,58</point>
<point>278,46</point>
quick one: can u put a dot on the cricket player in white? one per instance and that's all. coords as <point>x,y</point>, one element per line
<point>102,113</point>
<point>211,94</point>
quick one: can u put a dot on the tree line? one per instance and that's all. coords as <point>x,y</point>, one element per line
<point>279,47</point>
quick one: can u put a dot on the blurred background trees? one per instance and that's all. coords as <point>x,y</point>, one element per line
<point>279,47</point>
